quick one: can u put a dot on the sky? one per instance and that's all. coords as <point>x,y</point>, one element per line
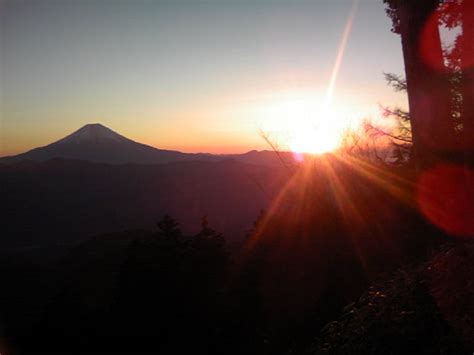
<point>188,75</point>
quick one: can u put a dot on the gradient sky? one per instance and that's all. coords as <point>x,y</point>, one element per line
<point>189,75</point>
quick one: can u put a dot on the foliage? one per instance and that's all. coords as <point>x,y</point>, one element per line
<point>402,139</point>
<point>452,286</point>
<point>439,85</point>
<point>150,291</point>
<point>396,81</point>
<point>399,314</point>
<point>168,228</point>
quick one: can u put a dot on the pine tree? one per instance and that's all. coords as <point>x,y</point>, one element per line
<point>169,228</point>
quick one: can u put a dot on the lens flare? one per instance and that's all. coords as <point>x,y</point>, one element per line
<point>446,198</point>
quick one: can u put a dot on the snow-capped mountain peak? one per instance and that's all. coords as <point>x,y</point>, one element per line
<point>94,132</point>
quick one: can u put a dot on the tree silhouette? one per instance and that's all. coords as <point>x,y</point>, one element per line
<point>427,83</point>
<point>208,234</point>
<point>439,81</point>
<point>169,228</point>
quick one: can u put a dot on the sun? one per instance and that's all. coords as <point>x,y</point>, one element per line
<point>314,136</point>
<point>305,123</point>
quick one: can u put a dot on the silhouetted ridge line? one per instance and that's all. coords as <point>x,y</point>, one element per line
<point>99,144</point>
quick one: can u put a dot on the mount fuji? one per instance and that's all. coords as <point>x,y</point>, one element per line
<point>97,143</point>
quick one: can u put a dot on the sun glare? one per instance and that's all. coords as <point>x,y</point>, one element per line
<point>305,123</point>
<point>313,125</point>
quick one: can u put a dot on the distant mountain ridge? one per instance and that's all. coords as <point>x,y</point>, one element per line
<point>97,143</point>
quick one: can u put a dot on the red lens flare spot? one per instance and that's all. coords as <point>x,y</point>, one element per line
<point>453,12</point>
<point>446,198</point>
<point>429,43</point>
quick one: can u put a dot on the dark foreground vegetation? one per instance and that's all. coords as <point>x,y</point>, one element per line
<point>380,280</point>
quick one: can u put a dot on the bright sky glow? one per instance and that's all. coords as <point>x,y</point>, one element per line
<point>192,75</point>
<point>302,122</point>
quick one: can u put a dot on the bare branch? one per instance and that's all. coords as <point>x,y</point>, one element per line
<point>274,148</point>
<point>396,81</point>
<point>383,133</point>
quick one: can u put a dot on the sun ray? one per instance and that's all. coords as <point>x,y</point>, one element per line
<point>346,206</point>
<point>394,184</point>
<point>307,122</point>
<point>340,54</point>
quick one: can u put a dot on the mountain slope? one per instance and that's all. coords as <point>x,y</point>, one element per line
<point>63,201</point>
<point>97,143</point>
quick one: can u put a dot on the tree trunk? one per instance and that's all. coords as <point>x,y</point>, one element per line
<point>428,91</point>
<point>467,65</point>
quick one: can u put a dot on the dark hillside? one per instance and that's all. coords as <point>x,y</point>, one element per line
<point>63,201</point>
